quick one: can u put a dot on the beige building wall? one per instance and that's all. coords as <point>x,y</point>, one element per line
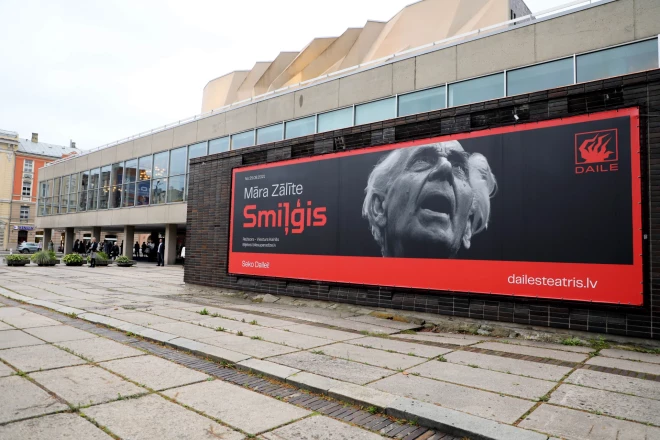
<point>8,146</point>
<point>609,23</point>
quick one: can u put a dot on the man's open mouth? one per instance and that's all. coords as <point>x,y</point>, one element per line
<point>437,203</point>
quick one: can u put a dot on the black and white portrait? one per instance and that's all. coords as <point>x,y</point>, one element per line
<point>428,201</point>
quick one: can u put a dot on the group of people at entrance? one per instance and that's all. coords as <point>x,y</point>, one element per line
<point>111,249</point>
<point>149,249</point>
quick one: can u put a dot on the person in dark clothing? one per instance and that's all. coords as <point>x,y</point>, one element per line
<point>136,249</point>
<point>115,251</point>
<point>161,253</point>
<point>107,247</point>
<point>144,249</point>
<point>75,245</point>
<point>93,248</point>
<point>121,247</point>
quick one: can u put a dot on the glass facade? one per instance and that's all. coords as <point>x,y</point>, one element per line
<point>299,127</point>
<point>273,133</point>
<point>219,145</point>
<point>163,177</point>
<point>617,61</point>
<point>375,111</point>
<point>242,140</point>
<point>540,77</point>
<point>475,90</point>
<point>335,120</point>
<point>422,101</point>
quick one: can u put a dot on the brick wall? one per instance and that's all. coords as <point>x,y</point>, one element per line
<point>209,199</point>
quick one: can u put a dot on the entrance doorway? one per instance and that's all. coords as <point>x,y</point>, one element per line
<point>22,236</point>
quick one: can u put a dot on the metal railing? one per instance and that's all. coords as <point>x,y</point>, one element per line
<point>450,41</point>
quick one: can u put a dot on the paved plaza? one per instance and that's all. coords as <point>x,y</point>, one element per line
<point>60,379</point>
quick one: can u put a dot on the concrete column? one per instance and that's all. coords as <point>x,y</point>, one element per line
<point>69,235</point>
<point>48,236</point>
<point>96,233</point>
<point>129,241</point>
<point>170,244</point>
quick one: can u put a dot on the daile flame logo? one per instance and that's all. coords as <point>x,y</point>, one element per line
<point>595,149</point>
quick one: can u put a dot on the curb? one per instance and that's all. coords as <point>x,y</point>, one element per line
<point>426,414</point>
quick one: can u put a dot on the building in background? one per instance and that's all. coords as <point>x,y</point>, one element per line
<point>19,170</point>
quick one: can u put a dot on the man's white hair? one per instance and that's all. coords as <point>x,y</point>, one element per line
<point>480,177</point>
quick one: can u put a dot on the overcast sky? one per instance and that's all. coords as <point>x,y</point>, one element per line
<point>98,71</point>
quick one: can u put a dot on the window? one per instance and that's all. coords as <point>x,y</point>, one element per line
<point>94,178</point>
<point>104,191</point>
<point>145,168</point>
<point>105,176</point>
<point>540,77</point>
<point>64,205</point>
<point>25,212</point>
<point>143,192</point>
<point>56,186</point>
<point>335,120</point>
<point>130,171</point>
<point>28,166</point>
<point>273,133</point>
<point>161,164</point>
<point>375,111</point>
<point>93,189</point>
<point>84,180</point>
<point>242,140</point>
<point>476,90</point>
<point>178,161</point>
<point>115,196</point>
<point>128,195</point>
<point>158,191</point>
<point>117,174</point>
<point>197,150</point>
<point>73,201</point>
<point>422,101</point>
<point>175,190</point>
<point>299,127</point>
<point>618,61</point>
<point>219,145</point>
<point>26,191</point>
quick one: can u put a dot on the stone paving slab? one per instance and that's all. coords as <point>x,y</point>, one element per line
<point>322,332</point>
<point>141,318</point>
<point>245,345</point>
<point>372,356</point>
<point>86,385</point>
<point>100,349</point>
<point>403,347</point>
<point>21,318</point>
<point>320,428</point>
<point>550,345</point>
<point>313,382</point>
<point>332,367</point>
<point>479,403</point>
<point>640,367</point>
<point>154,418</point>
<point>631,355</point>
<point>579,425</point>
<point>508,365</point>
<point>438,339</point>
<point>186,330</point>
<point>40,357</point>
<point>228,324</point>
<point>17,338</point>
<point>361,395</point>
<point>390,323</point>
<point>60,333</point>
<point>4,326</point>
<point>224,313</point>
<point>246,410</point>
<point>20,399</point>
<point>265,321</point>
<point>267,368</point>
<point>533,351</point>
<point>212,352</point>
<point>613,404</point>
<point>5,370</point>
<point>511,384</point>
<point>359,326</point>
<point>614,382</point>
<point>154,372</point>
<point>288,338</point>
<point>54,427</point>
<point>181,315</point>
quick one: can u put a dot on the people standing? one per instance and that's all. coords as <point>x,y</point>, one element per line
<point>93,249</point>
<point>136,249</point>
<point>39,245</point>
<point>75,245</point>
<point>161,253</point>
<point>144,249</point>
<point>50,245</point>
<point>115,251</point>
<point>121,248</point>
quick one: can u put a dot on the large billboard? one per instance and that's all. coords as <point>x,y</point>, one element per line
<point>544,210</point>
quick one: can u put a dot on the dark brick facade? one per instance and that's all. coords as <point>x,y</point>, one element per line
<point>209,200</point>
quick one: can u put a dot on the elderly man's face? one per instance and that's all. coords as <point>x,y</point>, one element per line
<point>428,204</point>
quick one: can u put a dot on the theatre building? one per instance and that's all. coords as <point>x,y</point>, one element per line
<point>492,164</point>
